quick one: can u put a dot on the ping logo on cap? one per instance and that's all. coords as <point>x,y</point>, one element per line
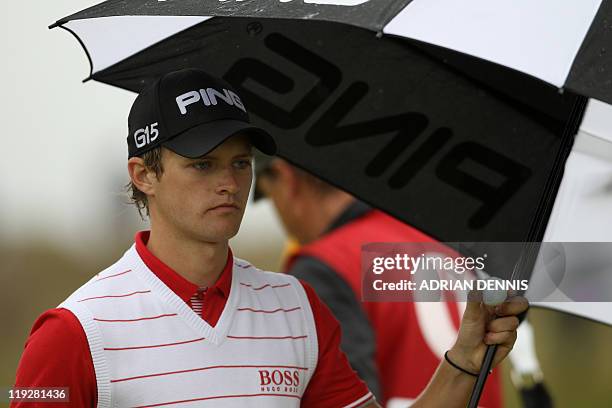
<point>146,135</point>
<point>208,97</point>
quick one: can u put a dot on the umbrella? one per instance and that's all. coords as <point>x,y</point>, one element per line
<point>448,116</point>
<point>412,148</point>
<point>407,106</point>
<point>456,129</point>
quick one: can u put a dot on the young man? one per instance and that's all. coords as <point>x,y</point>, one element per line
<point>178,321</point>
<point>331,226</point>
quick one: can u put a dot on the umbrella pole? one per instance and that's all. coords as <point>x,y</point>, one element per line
<point>485,369</point>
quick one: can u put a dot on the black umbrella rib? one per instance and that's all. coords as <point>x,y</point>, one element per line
<point>82,46</point>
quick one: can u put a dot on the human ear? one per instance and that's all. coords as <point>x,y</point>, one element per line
<point>142,177</point>
<point>287,177</point>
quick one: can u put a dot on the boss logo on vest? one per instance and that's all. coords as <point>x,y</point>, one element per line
<point>279,380</point>
<point>208,97</point>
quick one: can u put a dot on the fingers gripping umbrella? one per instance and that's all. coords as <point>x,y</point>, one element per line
<point>445,115</point>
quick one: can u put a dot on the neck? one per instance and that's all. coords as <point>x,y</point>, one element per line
<point>322,212</point>
<point>199,262</point>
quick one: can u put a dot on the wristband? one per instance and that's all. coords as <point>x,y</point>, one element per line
<point>457,367</point>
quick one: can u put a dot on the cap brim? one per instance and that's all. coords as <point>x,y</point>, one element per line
<point>202,139</point>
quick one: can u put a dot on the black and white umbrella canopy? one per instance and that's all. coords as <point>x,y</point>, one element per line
<point>446,115</point>
<point>566,44</point>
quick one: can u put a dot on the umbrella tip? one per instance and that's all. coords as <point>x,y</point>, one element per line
<point>52,26</point>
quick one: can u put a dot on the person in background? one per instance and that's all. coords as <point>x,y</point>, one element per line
<point>395,347</point>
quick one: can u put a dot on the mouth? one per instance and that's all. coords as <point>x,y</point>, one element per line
<point>225,207</point>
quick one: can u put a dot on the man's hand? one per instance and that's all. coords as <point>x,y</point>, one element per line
<point>449,387</point>
<point>485,325</point>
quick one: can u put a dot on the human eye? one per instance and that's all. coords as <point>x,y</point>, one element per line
<point>242,163</point>
<point>202,165</point>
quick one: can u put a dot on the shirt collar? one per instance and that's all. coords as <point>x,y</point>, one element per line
<point>178,284</point>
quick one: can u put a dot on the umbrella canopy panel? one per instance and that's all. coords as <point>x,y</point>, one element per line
<point>370,14</point>
<point>563,43</point>
<point>540,38</point>
<point>446,148</point>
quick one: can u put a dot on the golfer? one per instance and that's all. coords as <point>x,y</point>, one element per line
<point>179,321</point>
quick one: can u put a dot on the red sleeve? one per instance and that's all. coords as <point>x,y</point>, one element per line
<point>56,354</point>
<point>334,383</point>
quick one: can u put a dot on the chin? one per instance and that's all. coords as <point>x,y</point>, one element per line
<point>218,234</point>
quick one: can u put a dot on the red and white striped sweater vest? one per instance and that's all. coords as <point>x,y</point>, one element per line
<point>148,347</point>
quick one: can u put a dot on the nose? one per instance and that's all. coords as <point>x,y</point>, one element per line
<point>227,183</point>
